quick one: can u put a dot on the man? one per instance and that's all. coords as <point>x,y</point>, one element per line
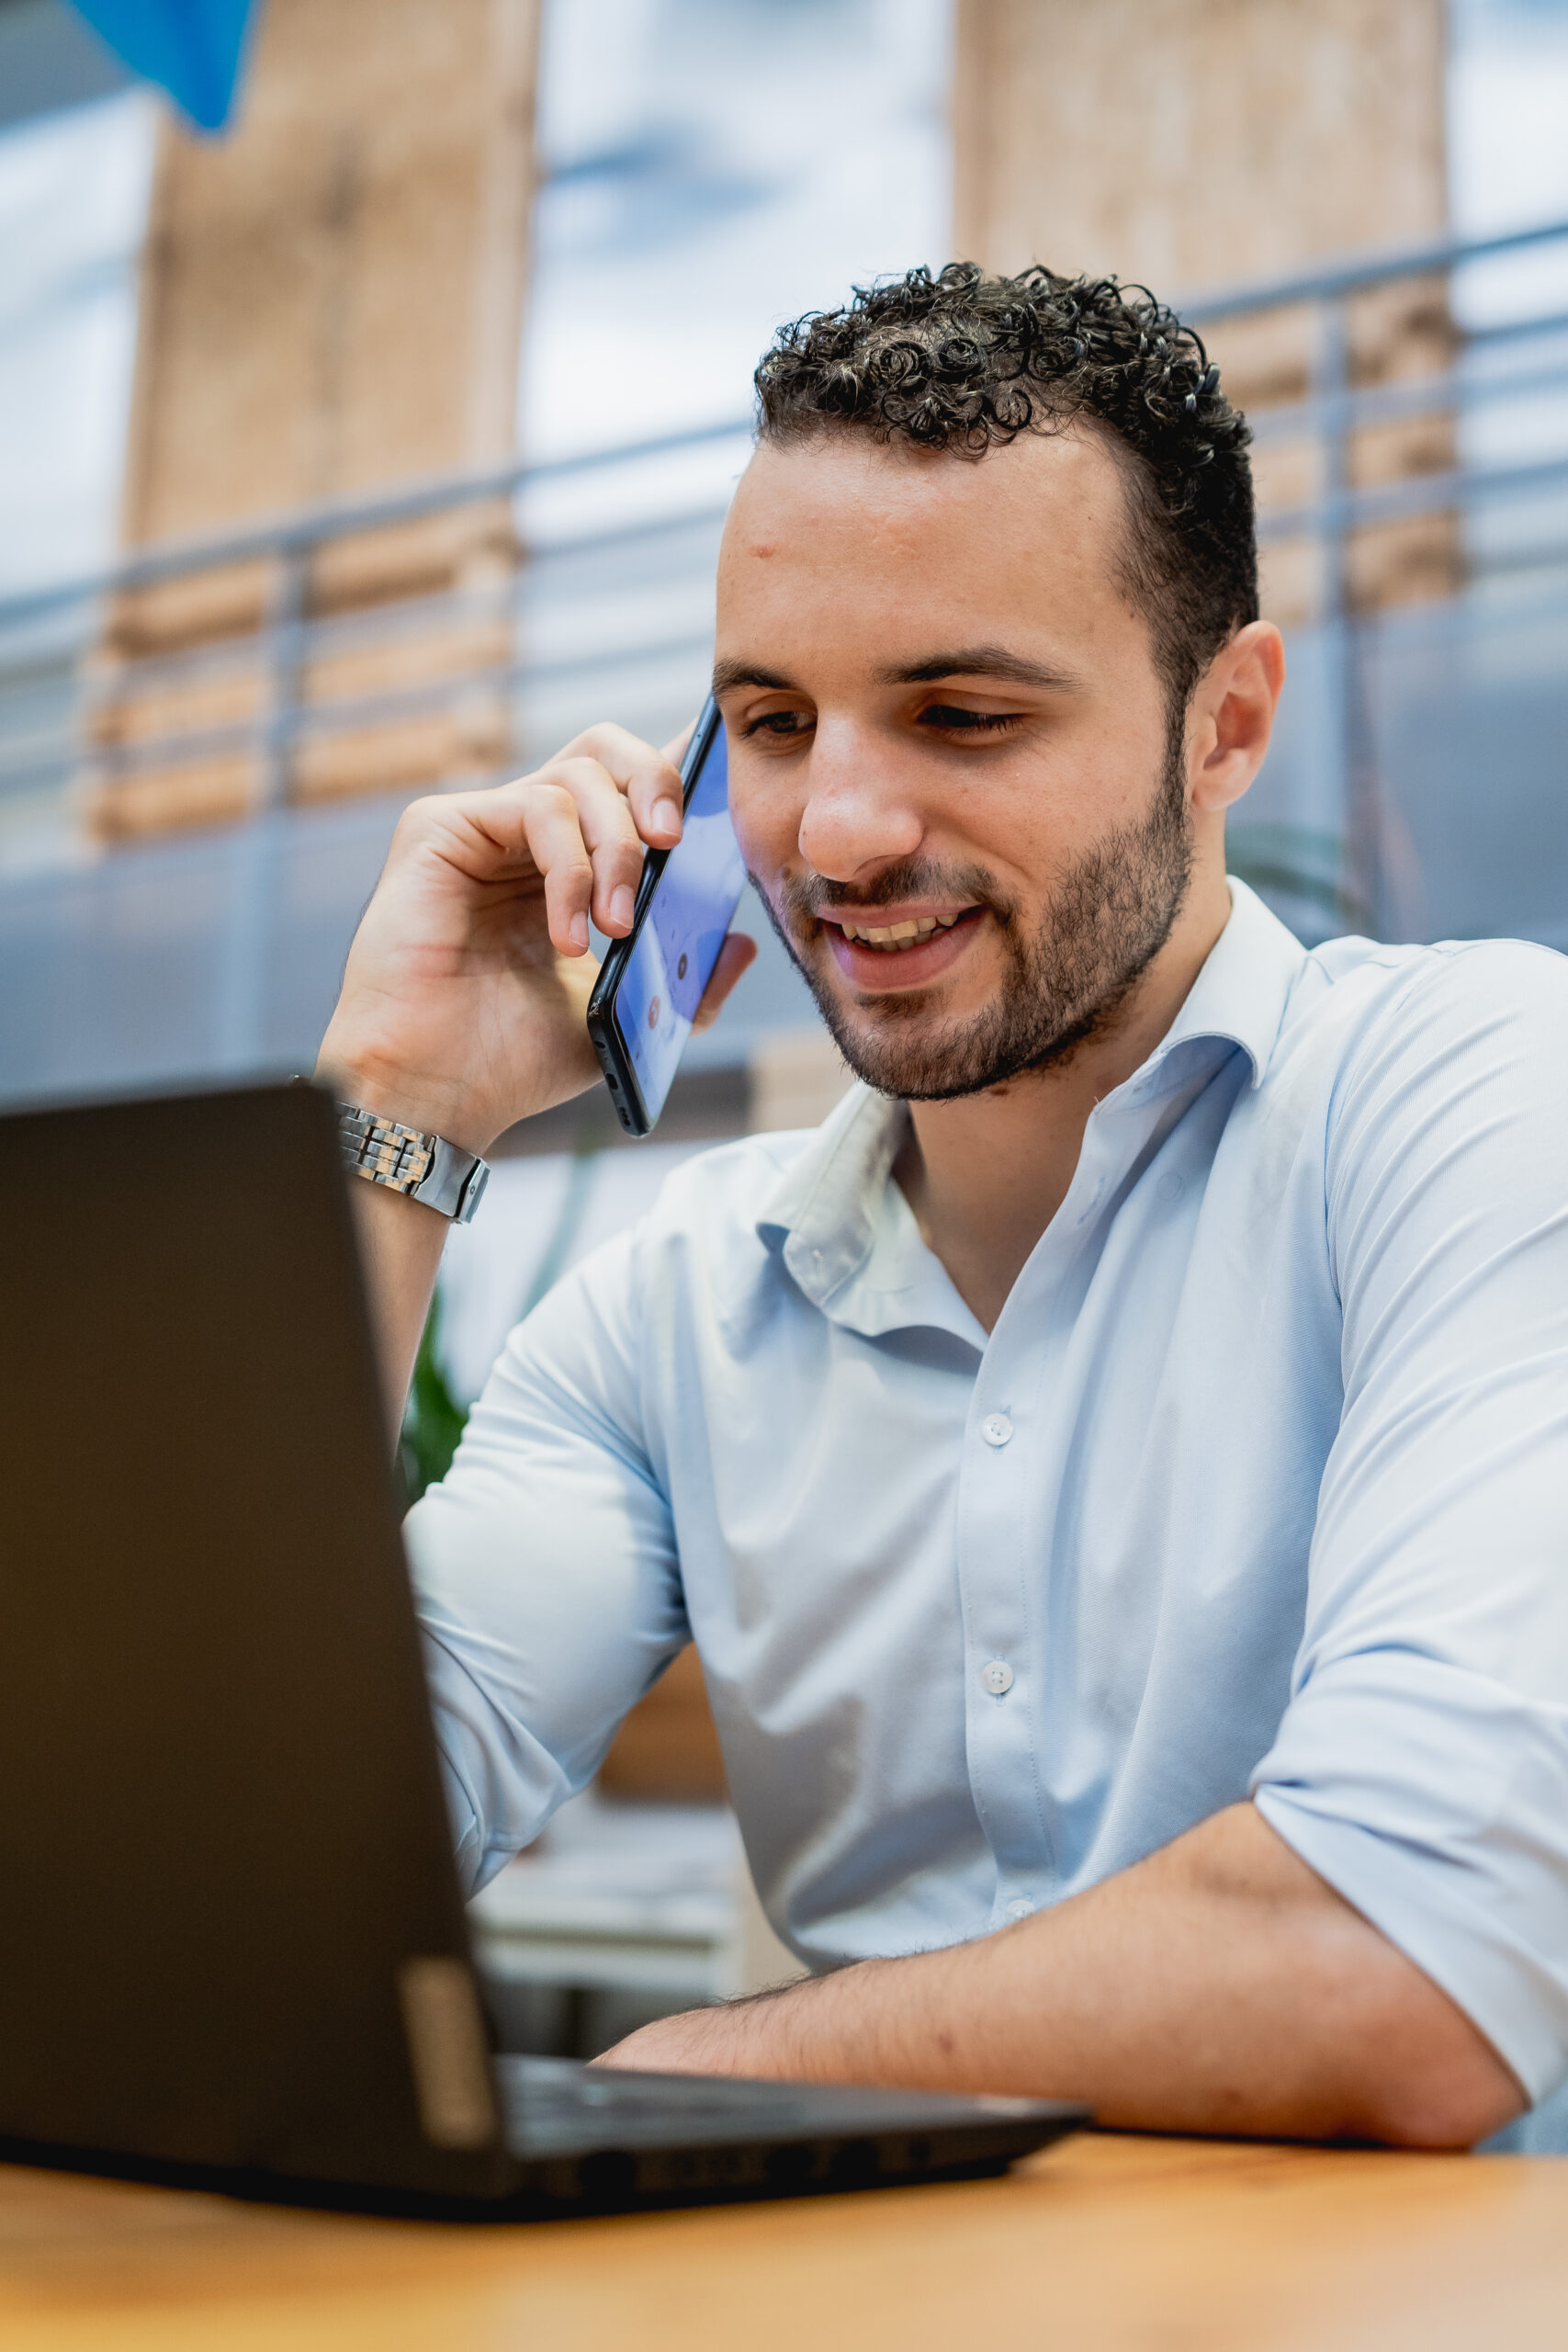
<point>1114,1471</point>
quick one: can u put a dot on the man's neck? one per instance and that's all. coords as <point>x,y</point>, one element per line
<point>984,1175</point>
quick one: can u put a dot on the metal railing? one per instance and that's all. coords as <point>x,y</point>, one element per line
<point>1335,410</point>
<point>65,615</point>
<point>610,608</point>
<point>622,612</point>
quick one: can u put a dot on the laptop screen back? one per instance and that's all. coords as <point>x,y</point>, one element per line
<point>222,1840</point>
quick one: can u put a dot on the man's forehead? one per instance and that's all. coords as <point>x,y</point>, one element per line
<point>841,513</point>
<point>935,565</point>
<point>1066,461</point>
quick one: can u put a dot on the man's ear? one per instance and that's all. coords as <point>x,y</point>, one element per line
<point>1233,715</point>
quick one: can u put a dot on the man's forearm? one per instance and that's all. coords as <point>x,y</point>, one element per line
<point>401,1243</point>
<point>1218,1986</point>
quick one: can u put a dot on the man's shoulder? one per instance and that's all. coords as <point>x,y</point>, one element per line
<point>694,1251</point>
<point>1357,1000</point>
<point>717,1198</point>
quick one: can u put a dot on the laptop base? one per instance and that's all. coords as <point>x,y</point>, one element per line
<point>585,2140</point>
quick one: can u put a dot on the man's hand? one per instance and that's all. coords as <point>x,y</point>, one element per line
<point>465,990</point>
<point>1221,1986</point>
<point>463,995</point>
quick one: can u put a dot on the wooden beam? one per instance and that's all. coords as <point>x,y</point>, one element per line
<point>1191,144</point>
<point>332,303</point>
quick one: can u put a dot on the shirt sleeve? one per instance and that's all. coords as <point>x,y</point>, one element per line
<point>1421,1766</point>
<point>544,1568</point>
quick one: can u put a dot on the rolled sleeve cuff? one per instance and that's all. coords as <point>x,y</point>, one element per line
<point>495,1807</point>
<point>1435,1803</point>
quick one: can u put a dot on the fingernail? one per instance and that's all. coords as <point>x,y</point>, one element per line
<point>666,817</point>
<point>579,931</point>
<point>621,904</point>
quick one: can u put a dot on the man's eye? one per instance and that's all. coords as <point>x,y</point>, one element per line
<point>949,717</point>
<point>776,723</point>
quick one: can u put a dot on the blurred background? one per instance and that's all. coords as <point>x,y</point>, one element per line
<point>373,375</point>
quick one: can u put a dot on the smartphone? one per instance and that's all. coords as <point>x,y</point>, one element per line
<point>651,982</point>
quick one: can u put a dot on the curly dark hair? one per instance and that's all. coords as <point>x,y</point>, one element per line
<point>963,362</point>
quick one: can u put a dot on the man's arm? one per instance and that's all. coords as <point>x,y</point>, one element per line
<point>1219,1985</point>
<point>464,994</point>
<point>1421,1765</point>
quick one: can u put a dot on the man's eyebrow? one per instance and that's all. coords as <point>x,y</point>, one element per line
<point>968,661</point>
<point>982,661</point>
<point>728,676</point>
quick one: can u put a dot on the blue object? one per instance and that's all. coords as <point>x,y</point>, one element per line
<point>192,49</point>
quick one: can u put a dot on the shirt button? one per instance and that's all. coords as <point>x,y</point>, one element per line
<point>1020,1910</point>
<point>996,1429</point>
<point>996,1677</point>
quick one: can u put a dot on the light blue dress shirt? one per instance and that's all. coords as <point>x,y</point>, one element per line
<point>1260,1485</point>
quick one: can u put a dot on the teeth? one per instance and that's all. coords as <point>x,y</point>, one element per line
<point>896,936</point>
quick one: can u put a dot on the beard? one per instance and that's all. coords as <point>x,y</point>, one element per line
<point>1108,917</point>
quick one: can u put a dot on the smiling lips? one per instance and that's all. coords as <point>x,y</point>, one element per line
<point>901,954</point>
<point>896,938</point>
<point>892,938</point>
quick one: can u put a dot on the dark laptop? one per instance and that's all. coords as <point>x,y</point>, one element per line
<point>233,1945</point>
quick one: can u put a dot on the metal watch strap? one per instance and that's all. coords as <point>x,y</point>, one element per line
<point>426,1168</point>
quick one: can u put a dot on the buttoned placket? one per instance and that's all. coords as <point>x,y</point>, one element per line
<point>1002,1528</point>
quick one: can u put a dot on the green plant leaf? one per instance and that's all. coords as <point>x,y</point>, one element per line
<point>433,1420</point>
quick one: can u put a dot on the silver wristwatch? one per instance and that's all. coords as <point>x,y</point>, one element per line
<point>427,1168</point>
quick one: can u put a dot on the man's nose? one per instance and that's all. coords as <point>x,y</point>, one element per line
<point>860,810</point>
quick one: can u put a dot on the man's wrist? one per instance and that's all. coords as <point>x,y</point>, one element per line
<point>782,2035</point>
<point>412,1162</point>
<point>390,1094</point>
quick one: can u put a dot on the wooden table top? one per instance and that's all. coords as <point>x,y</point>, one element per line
<point>1100,2242</point>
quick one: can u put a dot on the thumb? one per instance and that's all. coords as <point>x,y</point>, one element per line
<point>737,956</point>
<point>676,750</point>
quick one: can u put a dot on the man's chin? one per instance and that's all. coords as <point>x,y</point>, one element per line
<point>932,1043</point>
<point>905,1047</point>
<point>917,1049</point>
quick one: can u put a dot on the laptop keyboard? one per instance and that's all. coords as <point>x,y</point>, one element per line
<point>554,2097</point>
<point>556,2103</point>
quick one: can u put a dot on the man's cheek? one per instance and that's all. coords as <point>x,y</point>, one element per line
<point>766,837</point>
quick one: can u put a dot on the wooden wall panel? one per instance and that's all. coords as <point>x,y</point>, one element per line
<point>1196,144</point>
<point>332,303</point>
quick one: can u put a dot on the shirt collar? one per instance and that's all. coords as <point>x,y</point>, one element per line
<point>1240,995</point>
<point>822,1213</point>
<point>822,1216</point>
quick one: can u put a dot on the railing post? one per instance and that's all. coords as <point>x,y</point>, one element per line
<point>286,650</point>
<point>256,853</point>
<point>1331,387</point>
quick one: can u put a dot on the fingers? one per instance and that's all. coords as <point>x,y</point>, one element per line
<point>623,794</point>
<point>736,956</point>
<point>553,831</point>
<point>608,836</point>
<point>581,823</point>
<point>649,779</point>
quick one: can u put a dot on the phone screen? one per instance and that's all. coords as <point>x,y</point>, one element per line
<point>673,958</point>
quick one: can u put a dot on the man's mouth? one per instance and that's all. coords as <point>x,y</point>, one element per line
<point>903,951</point>
<point>895,937</point>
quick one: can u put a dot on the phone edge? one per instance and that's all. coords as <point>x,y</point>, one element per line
<point>615,1062</point>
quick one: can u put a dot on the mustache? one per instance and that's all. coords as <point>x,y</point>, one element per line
<point>809,897</point>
